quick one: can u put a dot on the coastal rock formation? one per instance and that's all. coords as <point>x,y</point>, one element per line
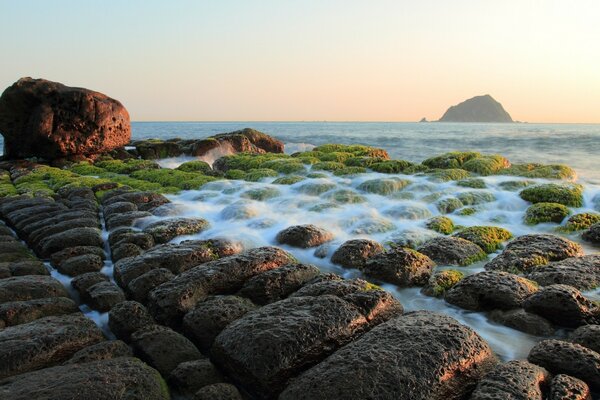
<point>477,109</point>
<point>516,380</point>
<point>40,118</point>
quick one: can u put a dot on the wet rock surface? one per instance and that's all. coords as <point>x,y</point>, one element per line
<point>582,273</point>
<point>355,253</point>
<point>563,305</point>
<point>565,387</point>
<point>518,380</point>
<point>166,230</point>
<point>587,336</point>
<point>403,267</point>
<point>304,236</point>
<point>452,251</point>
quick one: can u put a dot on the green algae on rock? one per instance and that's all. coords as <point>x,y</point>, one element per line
<point>487,165</point>
<point>579,222</point>
<point>195,166</point>
<point>489,238</point>
<point>570,195</point>
<point>473,183</point>
<point>384,186</point>
<point>440,224</point>
<point>546,212</point>
<point>442,281</point>
<point>451,160</point>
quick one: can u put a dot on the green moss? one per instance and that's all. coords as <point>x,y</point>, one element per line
<point>579,222</point>
<point>255,175</point>
<point>356,150</point>
<point>248,161</point>
<point>415,169</point>
<point>195,166</point>
<point>173,178</point>
<point>441,282</point>
<point>235,174</point>
<point>322,206</point>
<point>553,171</point>
<point>568,194</point>
<point>448,205</point>
<point>546,212</point>
<point>308,158</point>
<point>371,286</point>
<point>489,238</point>
<point>475,183</point>
<point>440,224</point>
<point>467,211</point>
<point>261,194</point>
<point>288,180</point>
<point>366,162</point>
<point>315,188</point>
<point>328,166</point>
<point>349,171</point>
<point>285,165</point>
<point>515,185</point>
<point>345,196</point>
<point>85,168</point>
<point>486,165</point>
<point>385,186</point>
<point>391,166</point>
<point>451,160</point>
<point>445,175</point>
<point>8,189</point>
<point>474,198</point>
<point>337,156</point>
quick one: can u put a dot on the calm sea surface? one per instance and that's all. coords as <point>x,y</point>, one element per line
<point>577,145</point>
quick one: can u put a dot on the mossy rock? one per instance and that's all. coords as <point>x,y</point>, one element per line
<point>8,189</point>
<point>446,175</point>
<point>255,175</point>
<point>370,226</point>
<point>415,169</point>
<point>365,162</point>
<point>356,150</point>
<point>127,166</point>
<point>466,211</point>
<point>408,211</point>
<point>236,174</point>
<point>288,180</point>
<point>391,166</point>
<point>449,205</point>
<point>85,168</point>
<point>261,194</point>
<point>384,186</point>
<point>247,161</point>
<point>285,165</point>
<point>551,171</point>
<point>317,175</point>
<point>442,281</point>
<point>327,166</point>
<point>474,183</point>
<point>315,188</point>
<point>476,197</point>
<point>489,238</point>
<point>195,166</point>
<point>337,156</point>
<point>349,171</point>
<point>486,165</point>
<point>345,196</point>
<point>451,160</point>
<point>173,178</point>
<point>570,195</point>
<point>513,186</point>
<point>141,185</point>
<point>440,224</point>
<point>322,207</point>
<point>580,222</point>
<point>546,212</point>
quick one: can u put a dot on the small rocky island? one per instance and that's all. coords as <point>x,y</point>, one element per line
<point>89,227</point>
<point>477,109</point>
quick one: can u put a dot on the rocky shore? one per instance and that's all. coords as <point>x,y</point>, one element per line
<point>92,230</point>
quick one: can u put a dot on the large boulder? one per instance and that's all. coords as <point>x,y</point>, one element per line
<point>515,380</point>
<point>565,387</point>
<point>563,305</point>
<point>403,267</point>
<point>452,251</point>
<point>22,312</point>
<point>588,336</point>
<point>30,287</point>
<point>40,118</point>
<point>304,236</point>
<point>417,356</point>
<point>582,273</point>
<point>246,140</point>
<point>355,253</point>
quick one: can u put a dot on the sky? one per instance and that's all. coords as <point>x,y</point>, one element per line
<point>333,60</point>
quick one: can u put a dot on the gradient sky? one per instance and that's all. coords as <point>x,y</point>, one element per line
<point>340,60</point>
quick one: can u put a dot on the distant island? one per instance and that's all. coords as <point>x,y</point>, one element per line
<point>477,109</point>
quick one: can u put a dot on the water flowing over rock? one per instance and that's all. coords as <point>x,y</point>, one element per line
<point>40,118</point>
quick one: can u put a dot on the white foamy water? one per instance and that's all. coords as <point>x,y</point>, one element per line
<point>393,218</point>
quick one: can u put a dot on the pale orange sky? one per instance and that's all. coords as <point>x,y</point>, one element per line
<point>331,60</point>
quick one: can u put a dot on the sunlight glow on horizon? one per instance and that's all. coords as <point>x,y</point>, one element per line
<point>329,60</point>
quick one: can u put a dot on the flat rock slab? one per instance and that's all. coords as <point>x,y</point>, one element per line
<point>120,378</point>
<point>27,287</point>
<point>417,356</point>
<point>45,342</point>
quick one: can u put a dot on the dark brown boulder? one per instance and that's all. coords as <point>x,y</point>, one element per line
<point>102,296</point>
<point>587,336</point>
<point>565,387</point>
<point>164,230</point>
<point>403,267</point>
<point>127,317</point>
<point>563,305</point>
<point>592,234</point>
<point>246,140</point>
<point>452,251</point>
<point>101,351</point>
<point>355,253</point>
<point>22,312</point>
<point>143,284</point>
<point>218,391</point>
<point>40,118</point>
<point>190,376</point>
<point>31,287</point>
<point>582,273</point>
<point>304,236</point>
<point>523,321</point>
<point>515,380</point>
<point>417,356</point>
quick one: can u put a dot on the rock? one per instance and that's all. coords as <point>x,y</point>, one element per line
<point>125,250</point>
<point>58,257</point>
<point>412,237</point>
<point>528,252</point>
<point>477,109</point>
<point>44,342</point>
<point>570,195</point>
<point>70,238</point>
<point>441,281</point>
<point>188,377</point>
<point>403,267</point>
<point>119,378</point>
<point>563,305</point>
<point>22,312</point>
<point>118,208</point>
<point>582,273</point>
<point>127,235</point>
<point>125,219</point>
<point>489,238</point>
<point>81,264</point>
<point>384,187</point>
<point>523,321</point>
<point>165,230</point>
<point>561,357</point>
<point>155,149</point>
<point>211,316</point>
<point>40,118</point>
<point>592,234</point>
<point>239,210</point>
<point>218,391</point>
<point>243,141</point>
<point>169,301</point>
<point>102,296</point>
<point>546,212</point>
<point>177,258</point>
<point>408,211</point>
<point>26,267</point>
<point>304,236</point>
<point>587,336</point>
<point>266,347</point>
<point>83,282</point>
<point>143,284</point>
<point>355,253</point>
<point>515,380</point>
<point>452,251</point>
<point>491,290</point>
<point>333,285</point>
<point>145,201</point>
<point>441,224</point>
<point>128,317</point>
<point>29,287</point>
<point>101,351</point>
<point>278,283</point>
<point>163,348</point>
<point>565,387</point>
<point>38,235</point>
<point>420,355</point>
